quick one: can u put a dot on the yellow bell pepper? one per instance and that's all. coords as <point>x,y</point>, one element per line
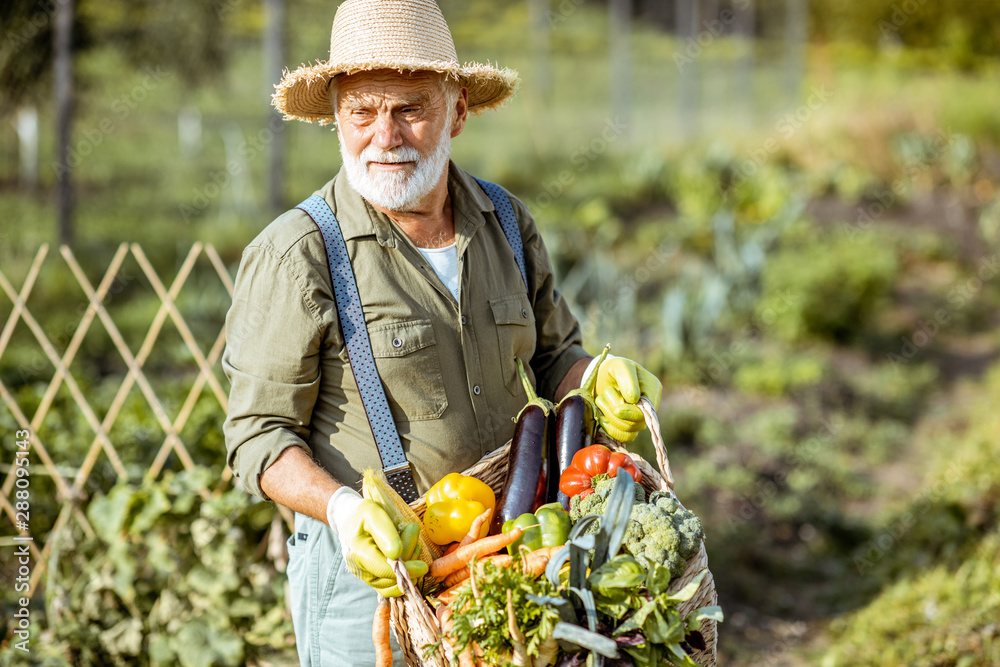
<point>450,520</point>
<point>453,504</point>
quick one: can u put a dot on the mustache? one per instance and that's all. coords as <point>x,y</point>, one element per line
<point>393,156</point>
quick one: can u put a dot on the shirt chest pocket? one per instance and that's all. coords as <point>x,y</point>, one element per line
<point>516,337</point>
<point>406,356</point>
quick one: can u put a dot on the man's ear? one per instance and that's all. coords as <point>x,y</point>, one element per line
<point>461,112</point>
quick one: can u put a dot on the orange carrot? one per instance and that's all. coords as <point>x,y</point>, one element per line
<point>536,561</point>
<point>380,634</point>
<point>452,547</point>
<point>448,595</point>
<point>476,528</point>
<point>454,561</point>
<point>458,576</point>
<point>465,658</point>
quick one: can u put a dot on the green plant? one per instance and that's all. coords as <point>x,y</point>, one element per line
<point>169,577</point>
<point>815,287</point>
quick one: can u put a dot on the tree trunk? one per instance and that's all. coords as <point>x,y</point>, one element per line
<point>274,56</point>
<point>796,41</point>
<point>541,47</point>
<point>63,47</point>
<point>688,101</point>
<point>620,21</point>
<point>746,29</point>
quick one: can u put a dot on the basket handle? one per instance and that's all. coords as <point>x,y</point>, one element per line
<point>653,423</point>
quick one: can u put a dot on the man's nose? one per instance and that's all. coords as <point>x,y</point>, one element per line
<point>387,135</point>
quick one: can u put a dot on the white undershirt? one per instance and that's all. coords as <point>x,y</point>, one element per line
<point>445,263</point>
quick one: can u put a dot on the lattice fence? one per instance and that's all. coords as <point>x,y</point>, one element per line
<point>70,481</point>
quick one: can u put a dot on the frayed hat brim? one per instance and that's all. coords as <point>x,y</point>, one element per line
<point>303,94</point>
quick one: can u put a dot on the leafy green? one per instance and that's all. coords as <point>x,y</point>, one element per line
<point>587,639</point>
<point>170,577</point>
<point>479,615</point>
<point>610,602</point>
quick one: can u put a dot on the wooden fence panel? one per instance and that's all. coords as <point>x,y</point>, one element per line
<point>71,487</point>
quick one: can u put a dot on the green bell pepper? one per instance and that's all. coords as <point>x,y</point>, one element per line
<point>551,528</point>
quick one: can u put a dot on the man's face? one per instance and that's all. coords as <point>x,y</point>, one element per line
<point>395,134</point>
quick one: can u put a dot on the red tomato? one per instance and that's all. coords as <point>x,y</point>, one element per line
<point>573,481</point>
<point>592,461</point>
<point>622,461</point>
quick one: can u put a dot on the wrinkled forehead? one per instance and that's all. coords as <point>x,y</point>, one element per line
<point>378,87</point>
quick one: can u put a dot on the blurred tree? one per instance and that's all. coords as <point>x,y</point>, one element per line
<point>186,37</point>
<point>63,61</point>
<point>796,36</point>
<point>963,31</point>
<point>541,46</point>
<point>41,38</point>
<point>687,19</point>
<point>746,27</point>
<point>274,60</point>
<point>620,22</point>
<point>25,52</point>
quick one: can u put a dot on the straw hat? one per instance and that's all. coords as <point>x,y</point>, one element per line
<point>405,35</point>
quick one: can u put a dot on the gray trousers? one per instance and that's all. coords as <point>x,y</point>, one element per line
<point>332,610</point>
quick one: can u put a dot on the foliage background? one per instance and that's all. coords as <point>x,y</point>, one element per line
<point>804,250</point>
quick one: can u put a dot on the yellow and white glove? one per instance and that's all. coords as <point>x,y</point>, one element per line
<point>620,384</point>
<point>368,537</point>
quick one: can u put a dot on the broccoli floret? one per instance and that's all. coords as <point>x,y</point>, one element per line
<point>581,507</point>
<point>657,539</point>
<point>597,501</point>
<point>665,500</point>
<point>660,531</point>
<point>574,508</point>
<point>664,533</point>
<point>689,529</point>
<point>634,532</point>
<point>640,493</point>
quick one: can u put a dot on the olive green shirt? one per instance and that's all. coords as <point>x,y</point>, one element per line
<point>448,367</point>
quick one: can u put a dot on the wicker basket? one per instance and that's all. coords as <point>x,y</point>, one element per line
<point>415,623</point>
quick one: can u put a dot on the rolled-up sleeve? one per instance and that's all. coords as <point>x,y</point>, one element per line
<point>559,342</point>
<point>273,340</point>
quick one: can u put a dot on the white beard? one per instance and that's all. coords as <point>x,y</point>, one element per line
<point>397,191</point>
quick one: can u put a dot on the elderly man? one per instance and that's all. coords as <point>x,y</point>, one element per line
<point>377,324</point>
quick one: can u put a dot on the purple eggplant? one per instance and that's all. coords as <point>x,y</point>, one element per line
<point>527,461</point>
<point>575,427</point>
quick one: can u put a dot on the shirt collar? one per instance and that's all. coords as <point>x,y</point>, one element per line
<point>358,218</point>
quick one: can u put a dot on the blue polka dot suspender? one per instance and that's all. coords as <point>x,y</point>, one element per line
<point>508,222</point>
<point>355,331</point>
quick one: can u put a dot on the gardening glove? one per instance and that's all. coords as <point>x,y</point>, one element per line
<point>368,537</point>
<point>620,384</point>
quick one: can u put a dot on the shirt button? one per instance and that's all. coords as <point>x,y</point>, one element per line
<point>524,313</point>
<point>476,390</point>
<point>463,319</point>
<point>396,342</point>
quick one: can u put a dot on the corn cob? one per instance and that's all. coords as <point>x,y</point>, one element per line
<point>376,487</point>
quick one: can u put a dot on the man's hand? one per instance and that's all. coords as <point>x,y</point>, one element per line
<point>620,384</point>
<point>368,537</point>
